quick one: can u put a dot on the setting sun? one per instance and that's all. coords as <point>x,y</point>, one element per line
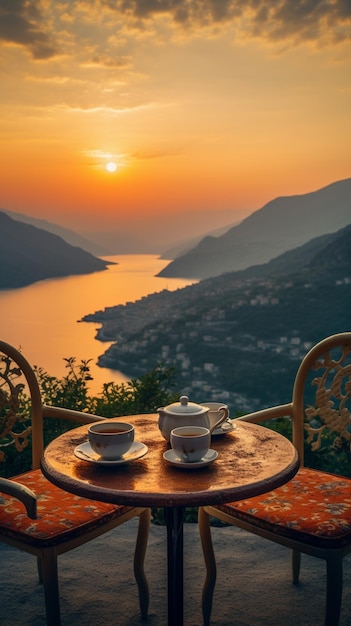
<point>111,166</point>
<point>132,114</point>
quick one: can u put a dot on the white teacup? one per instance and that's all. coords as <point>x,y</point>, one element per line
<point>214,413</point>
<point>111,439</point>
<point>190,443</point>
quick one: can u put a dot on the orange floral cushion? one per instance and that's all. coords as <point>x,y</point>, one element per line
<point>314,507</point>
<point>61,515</point>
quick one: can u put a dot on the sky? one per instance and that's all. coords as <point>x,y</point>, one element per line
<point>196,105</point>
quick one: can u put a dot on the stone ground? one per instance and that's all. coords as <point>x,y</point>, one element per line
<point>97,586</point>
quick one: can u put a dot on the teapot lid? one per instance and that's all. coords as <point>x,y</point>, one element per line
<point>185,407</point>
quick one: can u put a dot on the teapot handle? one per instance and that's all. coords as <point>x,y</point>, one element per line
<point>222,419</point>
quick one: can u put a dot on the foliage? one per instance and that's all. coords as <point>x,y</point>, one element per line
<point>139,395</point>
<point>70,392</point>
<point>333,456</point>
<point>143,395</point>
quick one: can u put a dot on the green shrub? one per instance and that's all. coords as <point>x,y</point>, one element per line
<point>142,395</point>
<point>332,456</point>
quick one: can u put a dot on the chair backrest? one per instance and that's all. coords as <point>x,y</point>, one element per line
<point>17,375</point>
<point>18,427</point>
<point>321,402</point>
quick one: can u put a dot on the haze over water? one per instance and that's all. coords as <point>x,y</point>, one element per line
<point>42,319</point>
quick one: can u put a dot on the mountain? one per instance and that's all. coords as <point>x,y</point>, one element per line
<point>238,337</point>
<point>120,241</point>
<point>157,233</point>
<point>184,246</point>
<point>153,234</point>
<point>68,235</point>
<point>29,254</point>
<point>280,225</point>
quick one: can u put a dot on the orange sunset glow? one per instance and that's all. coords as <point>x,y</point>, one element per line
<point>116,111</point>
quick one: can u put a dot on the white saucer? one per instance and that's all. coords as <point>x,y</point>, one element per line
<point>224,428</point>
<point>172,458</point>
<point>85,452</point>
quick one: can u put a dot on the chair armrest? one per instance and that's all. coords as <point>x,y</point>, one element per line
<point>69,414</point>
<point>27,496</point>
<point>281,410</point>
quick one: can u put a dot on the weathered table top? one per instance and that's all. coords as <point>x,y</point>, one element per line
<point>251,460</point>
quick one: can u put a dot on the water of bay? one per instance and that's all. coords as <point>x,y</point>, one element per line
<point>42,319</point>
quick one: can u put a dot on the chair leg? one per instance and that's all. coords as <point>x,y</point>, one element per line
<point>51,590</point>
<point>139,558</point>
<point>40,569</point>
<point>210,562</point>
<point>334,589</point>
<point>296,563</point>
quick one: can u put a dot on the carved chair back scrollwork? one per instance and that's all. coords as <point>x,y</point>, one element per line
<point>323,392</point>
<point>15,417</point>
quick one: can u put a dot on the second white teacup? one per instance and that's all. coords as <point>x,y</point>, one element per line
<point>214,413</point>
<point>190,443</point>
<point>111,438</point>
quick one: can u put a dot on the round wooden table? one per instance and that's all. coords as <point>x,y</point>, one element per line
<point>251,460</point>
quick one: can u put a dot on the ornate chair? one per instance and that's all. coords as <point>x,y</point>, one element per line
<point>62,520</point>
<point>311,513</point>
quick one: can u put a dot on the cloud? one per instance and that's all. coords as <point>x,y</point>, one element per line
<point>122,159</point>
<point>157,154</point>
<point>22,23</point>
<point>327,21</point>
<point>33,24</point>
<point>100,61</point>
<point>106,109</point>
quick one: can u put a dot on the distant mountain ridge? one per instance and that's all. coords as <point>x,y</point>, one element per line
<point>29,254</point>
<point>186,245</point>
<point>69,236</point>
<point>149,236</point>
<point>240,335</point>
<point>282,224</point>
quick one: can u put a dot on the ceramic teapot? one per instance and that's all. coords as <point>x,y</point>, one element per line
<point>185,413</point>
